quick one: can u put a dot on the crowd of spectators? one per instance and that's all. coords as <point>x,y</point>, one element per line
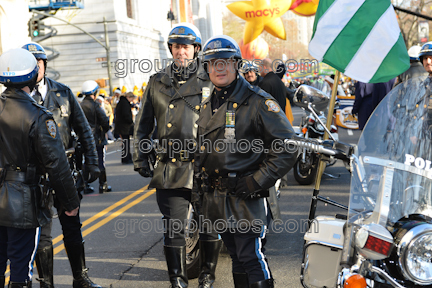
<point>123,118</point>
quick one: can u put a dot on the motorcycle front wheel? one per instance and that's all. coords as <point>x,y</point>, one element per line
<point>192,246</point>
<point>305,172</point>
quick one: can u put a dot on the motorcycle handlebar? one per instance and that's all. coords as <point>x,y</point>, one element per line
<point>331,148</point>
<point>70,151</point>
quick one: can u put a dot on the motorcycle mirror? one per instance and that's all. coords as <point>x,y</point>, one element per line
<point>307,94</point>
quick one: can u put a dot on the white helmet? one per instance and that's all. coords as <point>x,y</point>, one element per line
<point>18,68</point>
<point>89,87</point>
<point>414,52</point>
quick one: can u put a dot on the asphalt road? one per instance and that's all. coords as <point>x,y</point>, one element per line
<point>124,236</point>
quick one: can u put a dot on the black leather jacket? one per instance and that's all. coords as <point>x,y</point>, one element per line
<point>260,128</point>
<point>31,139</point>
<point>97,119</point>
<point>175,124</point>
<point>68,115</point>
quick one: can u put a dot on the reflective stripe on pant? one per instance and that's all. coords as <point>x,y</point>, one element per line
<point>174,206</point>
<point>246,249</point>
<point>19,246</point>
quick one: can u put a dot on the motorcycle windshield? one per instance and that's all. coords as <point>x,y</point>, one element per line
<point>392,170</point>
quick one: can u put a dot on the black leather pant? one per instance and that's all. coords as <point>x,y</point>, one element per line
<point>174,205</point>
<point>71,227</point>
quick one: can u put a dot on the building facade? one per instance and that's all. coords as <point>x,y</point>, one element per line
<point>14,16</point>
<point>137,32</point>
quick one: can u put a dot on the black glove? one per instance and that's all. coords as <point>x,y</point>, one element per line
<point>145,170</point>
<point>246,186</point>
<point>93,171</point>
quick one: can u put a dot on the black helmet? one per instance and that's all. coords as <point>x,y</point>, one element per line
<point>185,33</point>
<point>425,50</point>
<point>36,49</point>
<point>221,46</point>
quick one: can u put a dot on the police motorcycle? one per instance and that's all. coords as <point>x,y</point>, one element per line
<point>312,127</point>
<point>385,238</point>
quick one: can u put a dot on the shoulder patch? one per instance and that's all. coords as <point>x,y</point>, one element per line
<point>272,106</point>
<point>51,127</point>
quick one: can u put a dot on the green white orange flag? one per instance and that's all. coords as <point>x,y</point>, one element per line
<point>360,38</point>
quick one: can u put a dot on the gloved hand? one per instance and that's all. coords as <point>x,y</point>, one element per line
<point>94,172</point>
<point>246,186</point>
<point>145,170</point>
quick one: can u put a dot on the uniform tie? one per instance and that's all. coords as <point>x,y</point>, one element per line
<point>37,95</point>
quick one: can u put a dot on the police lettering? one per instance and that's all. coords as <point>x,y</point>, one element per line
<point>8,73</point>
<point>418,162</point>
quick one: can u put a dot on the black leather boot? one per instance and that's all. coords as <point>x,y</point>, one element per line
<point>44,263</point>
<point>176,261</point>
<point>241,280</point>
<point>269,283</point>
<point>27,284</point>
<point>103,185</point>
<point>75,252</point>
<point>209,254</point>
<point>88,189</point>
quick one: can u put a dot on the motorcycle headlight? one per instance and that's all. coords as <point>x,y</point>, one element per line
<point>415,254</point>
<point>319,127</point>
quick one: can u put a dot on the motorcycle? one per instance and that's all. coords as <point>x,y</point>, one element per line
<point>385,238</point>
<point>312,127</point>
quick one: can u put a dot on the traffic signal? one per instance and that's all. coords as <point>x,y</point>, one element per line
<point>36,27</point>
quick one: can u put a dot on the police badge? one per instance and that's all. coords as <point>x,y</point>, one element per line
<point>217,44</point>
<point>32,48</point>
<point>63,110</point>
<point>51,127</point>
<point>230,127</point>
<point>205,93</point>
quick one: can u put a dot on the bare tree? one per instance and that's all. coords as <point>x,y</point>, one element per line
<point>409,23</point>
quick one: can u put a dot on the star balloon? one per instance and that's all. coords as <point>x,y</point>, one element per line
<point>261,15</point>
<point>304,7</point>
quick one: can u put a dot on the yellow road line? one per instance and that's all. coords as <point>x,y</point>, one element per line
<point>104,221</point>
<point>109,218</point>
<point>103,212</point>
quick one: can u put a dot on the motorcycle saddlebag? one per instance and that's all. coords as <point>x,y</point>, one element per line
<point>322,252</point>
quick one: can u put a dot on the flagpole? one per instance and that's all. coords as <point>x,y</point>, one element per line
<point>322,164</point>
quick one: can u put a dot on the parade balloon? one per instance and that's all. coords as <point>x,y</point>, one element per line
<point>261,15</point>
<point>257,49</point>
<point>304,7</point>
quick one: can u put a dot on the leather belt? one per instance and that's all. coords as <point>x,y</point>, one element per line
<point>12,175</point>
<point>223,183</point>
<point>182,156</point>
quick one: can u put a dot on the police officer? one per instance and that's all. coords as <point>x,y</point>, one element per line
<point>99,123</point>
<point>416,68</point>
<point>425,57</point>
<point>241,130</point>
<point>60,101</point>
<point>173,97</point>
<point>28,151</point>
<point>251,74</point>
